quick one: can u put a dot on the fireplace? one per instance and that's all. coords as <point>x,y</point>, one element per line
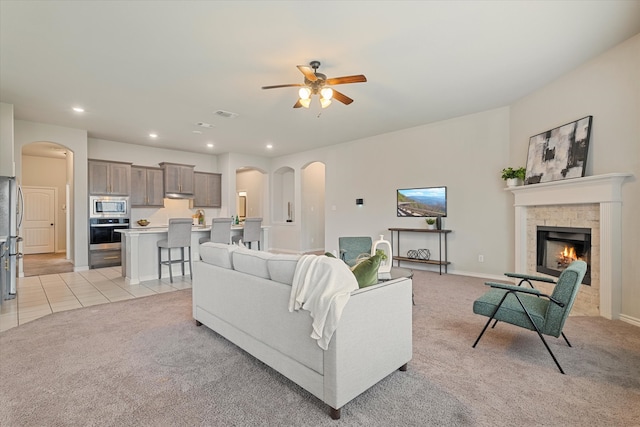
<point>557,247</point>
<point>604,193</point>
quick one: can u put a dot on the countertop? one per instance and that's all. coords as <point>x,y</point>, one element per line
<point>150,229</point>
<point>158,229</point>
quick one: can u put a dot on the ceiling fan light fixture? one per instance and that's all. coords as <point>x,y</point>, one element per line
<point>318,84</point>
<point>327,93</point>
<point>304,93</point>
<point>305,102</point>
<point>324,102</point>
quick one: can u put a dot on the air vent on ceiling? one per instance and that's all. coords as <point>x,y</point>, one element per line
<point>205,125</point>
<point>226,114</point>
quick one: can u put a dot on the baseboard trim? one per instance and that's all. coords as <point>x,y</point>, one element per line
<point>436,269</point>
<point>631,320</point>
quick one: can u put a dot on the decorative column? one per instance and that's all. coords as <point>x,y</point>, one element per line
<point>610,260</point>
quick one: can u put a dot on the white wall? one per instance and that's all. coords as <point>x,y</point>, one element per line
<point>608,88</point>
<point>76,141</point>
<point>313,207</point>
<point>465,154</point>
<point>49,172</point>
<point>6,140</point>
<point>144,155</point>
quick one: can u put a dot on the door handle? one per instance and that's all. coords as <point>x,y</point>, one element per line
<point>51,224</point>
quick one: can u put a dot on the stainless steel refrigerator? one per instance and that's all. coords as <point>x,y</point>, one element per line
<point>11,204</point>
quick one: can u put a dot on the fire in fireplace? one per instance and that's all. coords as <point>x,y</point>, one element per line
<point>557,247</point>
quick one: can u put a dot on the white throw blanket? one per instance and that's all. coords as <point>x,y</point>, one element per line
<point>322,285</point>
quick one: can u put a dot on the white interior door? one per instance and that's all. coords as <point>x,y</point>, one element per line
<point>38,226</point>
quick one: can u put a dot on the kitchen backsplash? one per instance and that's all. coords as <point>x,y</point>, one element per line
<point>173,208</point>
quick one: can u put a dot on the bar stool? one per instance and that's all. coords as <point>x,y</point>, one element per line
<point>220,231</point>
<point>179,236</point>
<point>251,232</point>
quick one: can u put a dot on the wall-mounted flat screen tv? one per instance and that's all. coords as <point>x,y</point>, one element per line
<point>421,202</point>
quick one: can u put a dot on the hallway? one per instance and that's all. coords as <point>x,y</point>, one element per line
<point>41,264</point>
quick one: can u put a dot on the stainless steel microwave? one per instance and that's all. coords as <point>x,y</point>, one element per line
<point>109,207</point>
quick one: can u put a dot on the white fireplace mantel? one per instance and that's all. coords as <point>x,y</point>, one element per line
<point>605,190</point>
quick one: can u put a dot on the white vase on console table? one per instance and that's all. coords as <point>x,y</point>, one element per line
<point>385,246</point>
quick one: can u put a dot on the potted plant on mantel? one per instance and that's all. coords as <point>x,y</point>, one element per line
<point>514,177</point>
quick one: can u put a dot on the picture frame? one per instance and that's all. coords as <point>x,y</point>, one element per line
<point>559,153</point>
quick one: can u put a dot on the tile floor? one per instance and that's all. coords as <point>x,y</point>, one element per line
<point>39,296</point>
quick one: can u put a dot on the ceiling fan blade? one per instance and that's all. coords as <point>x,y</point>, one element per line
<point>346,79</point>
<point>277,86</point>
<point>342,97</point>
<point>308,72</point>
<point>297,104</point>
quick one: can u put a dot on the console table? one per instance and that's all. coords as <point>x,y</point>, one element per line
<point>442,257</point>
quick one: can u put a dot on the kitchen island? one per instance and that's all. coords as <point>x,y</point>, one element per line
<point>140,250</point>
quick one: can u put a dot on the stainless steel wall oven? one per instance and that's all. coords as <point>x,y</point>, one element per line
<point>103,235</point>
<point>106,215</point>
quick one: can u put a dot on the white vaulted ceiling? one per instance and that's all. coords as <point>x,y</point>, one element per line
<point>162,66</point>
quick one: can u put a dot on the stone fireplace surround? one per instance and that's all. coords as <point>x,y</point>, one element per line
<point>603,193</point>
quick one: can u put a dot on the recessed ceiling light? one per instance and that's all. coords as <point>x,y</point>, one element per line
<point>197,132</point>
<point>269,146</point>
<point>226,114</point>
<point>205,125</point>
<point>78,109</point>
<point>210,145</point>
<point>153,135</point>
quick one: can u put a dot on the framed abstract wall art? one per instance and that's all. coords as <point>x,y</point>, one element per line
<point>559,153</point>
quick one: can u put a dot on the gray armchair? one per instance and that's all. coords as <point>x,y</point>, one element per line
<point>531,309</point>
<point>352,247</point>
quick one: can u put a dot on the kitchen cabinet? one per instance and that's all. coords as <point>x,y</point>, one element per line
<point>178,178</point>
<point>207,190</point>
<point>147,186</point>
<point>109,178</point>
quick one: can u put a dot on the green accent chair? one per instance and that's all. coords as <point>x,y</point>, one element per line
<point>531,309</point>
<point>351,248</point>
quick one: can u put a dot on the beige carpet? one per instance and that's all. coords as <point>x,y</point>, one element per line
<point>144,363</point>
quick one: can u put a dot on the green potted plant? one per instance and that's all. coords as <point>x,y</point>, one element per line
<point>514,177</point>
<point>431,223</point>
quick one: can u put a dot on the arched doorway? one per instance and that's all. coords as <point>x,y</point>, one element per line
<point>284,196</point>
<point>250,192</point>
<point>47,182</point>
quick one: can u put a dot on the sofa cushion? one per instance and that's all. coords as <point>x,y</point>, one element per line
<point>252,262</point>
<point>282,268</point>
<point>218,254</point>
<point>366,271</point>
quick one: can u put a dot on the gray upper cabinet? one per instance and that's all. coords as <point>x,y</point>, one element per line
<point>208,190</point>
<point>147,186</point>
<point>109,178</point>
<point>178,178</point>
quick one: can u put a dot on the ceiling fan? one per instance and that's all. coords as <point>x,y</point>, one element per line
<point>318,84</point>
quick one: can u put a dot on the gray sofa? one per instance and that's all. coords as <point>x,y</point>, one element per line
<point>243,295</point>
